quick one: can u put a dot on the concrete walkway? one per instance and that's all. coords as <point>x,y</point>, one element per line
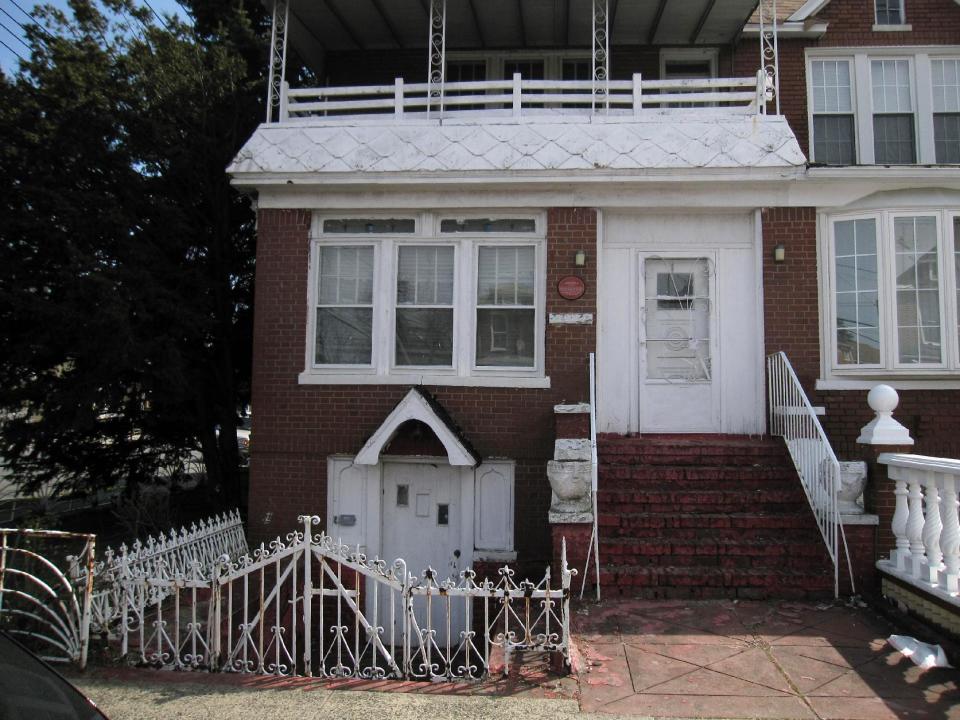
<point>745,659</point>
<point>664,659</point>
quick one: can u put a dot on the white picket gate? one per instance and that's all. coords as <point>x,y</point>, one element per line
<point>308,605</point>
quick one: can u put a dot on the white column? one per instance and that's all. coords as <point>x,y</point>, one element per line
<point>950,537</point>
<point>932,527</point>
<point>437,49</point>
<point>901,552</point>
<point>601,53</point>
<point>915,527</point>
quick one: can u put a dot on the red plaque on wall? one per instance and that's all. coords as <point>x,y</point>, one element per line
<point>571,287</point>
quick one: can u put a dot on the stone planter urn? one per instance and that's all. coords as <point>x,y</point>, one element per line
<point>853,478</point>
<point>570,482</point>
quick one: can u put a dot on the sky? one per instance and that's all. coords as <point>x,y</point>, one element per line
<point>13,15</point>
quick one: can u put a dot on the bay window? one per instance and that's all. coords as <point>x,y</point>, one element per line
<point>894,293</point>
<point>444,300</point>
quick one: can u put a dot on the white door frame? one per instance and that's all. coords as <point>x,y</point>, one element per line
<point>687,252</point>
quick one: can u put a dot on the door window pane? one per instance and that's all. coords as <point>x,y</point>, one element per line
<point>506,317</point>
<point>345,306</point>
<point>857,300</point>
<point>677,319</point>
<point>918,290</point>
<point>424,323</point>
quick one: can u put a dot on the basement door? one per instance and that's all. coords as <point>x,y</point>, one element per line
<point>422,516</point>
<point>677,332</point>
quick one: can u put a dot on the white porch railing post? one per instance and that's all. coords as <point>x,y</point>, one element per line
<point>950,538</point>
<point>517,95</point>
<point>901,552</point>
<point>284,90</point>
<point>932,527</point>
<point>637,94</point>
<point>398,97</point>
<point>915,526</point>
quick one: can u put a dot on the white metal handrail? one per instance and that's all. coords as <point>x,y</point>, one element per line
<point>594,547</point>
<point>518,97</point>
<point>793,418</point>
<point>925,523</point>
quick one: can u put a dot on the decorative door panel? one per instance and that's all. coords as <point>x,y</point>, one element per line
<point>677,339</point>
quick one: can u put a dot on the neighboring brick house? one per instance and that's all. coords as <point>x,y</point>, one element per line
<point>431,279</point>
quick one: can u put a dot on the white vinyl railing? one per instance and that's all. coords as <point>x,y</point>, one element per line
<point>793,418</point>
<point>518,97</point>
<point>925,523</point>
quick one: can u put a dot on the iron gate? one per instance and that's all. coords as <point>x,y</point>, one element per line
<point>309,605</point>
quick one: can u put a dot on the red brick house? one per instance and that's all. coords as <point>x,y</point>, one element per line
<point>470,198</point>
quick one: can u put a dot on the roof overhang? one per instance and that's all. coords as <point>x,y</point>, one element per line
<point>318,26</point>
<point>419,405</point>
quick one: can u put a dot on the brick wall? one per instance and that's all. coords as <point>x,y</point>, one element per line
<point>297,426</point>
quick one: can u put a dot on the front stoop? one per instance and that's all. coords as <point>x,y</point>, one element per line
<point>706,516</point>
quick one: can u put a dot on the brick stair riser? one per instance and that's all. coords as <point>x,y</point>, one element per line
<point>727,579</point>
<point>720,535</point>
<point>667,475</point>
<point>648,548</point>
<point>701,497</point>
<point>708,521</point>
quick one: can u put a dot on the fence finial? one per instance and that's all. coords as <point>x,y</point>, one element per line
<point>883,429</point>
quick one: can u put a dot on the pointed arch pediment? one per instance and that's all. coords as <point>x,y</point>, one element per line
<point>418,405</point>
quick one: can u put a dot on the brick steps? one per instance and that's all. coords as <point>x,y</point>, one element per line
<point>706,516</point>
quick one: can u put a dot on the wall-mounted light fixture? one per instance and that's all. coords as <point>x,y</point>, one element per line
<point>779,254</point>
<point>580,258</point>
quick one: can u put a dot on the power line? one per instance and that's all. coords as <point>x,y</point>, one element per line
<point>18,38</point>
<point>156,14</point>
<point>13,51</point>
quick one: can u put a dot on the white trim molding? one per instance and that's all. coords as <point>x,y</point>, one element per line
<point>415,407</point>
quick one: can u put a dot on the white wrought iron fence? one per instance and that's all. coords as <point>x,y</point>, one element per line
<point>309,605</point>
<point>39,602</point>
<point>176,553</point>
<point>793,418</point>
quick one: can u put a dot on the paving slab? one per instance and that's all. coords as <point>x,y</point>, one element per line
<point>752,659</point>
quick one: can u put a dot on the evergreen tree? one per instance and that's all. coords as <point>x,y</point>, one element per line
<point>126,259</point>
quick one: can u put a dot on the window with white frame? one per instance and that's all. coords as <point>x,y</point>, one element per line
<point>453,299</point>
<point>893,292</point>
<point>946,109</point>
<point>833,120</point>
<point>894,141</point>
<point>889,12</point>
<point>886,106</point>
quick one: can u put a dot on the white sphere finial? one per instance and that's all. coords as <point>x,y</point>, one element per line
<point>883,399</point>
<point>883,429</point>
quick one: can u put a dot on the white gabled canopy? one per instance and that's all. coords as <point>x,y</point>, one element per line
<point>417,406</point>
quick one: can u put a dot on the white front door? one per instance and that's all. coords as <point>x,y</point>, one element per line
<point>422,516</point>
<point>677,345</point>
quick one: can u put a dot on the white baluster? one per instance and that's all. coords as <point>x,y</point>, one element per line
<point>915,528</point>
<point>932,527</point>
<point>899,555</point>
<point>950,537</point>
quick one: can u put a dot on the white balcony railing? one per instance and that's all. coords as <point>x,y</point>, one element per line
<point>925,523</point>
<point>521,98</point>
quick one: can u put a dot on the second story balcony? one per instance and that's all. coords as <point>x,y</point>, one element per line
<point>464,90</point>
<point>473,59</point>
